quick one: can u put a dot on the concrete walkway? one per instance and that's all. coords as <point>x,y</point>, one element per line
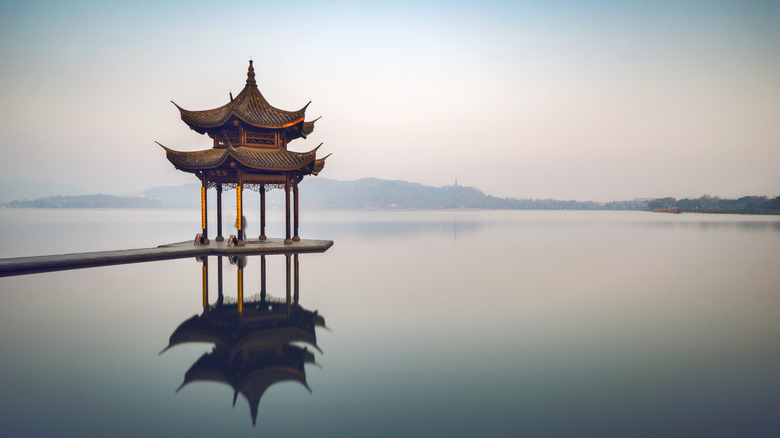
<point>31,265</point>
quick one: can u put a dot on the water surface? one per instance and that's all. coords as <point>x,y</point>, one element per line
<point>441,323</point>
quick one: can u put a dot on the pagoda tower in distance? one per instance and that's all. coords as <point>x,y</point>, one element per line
<point>249,151</point>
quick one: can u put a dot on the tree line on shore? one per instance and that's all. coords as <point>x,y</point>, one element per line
<point>714,204</point>
<point>374,193</point>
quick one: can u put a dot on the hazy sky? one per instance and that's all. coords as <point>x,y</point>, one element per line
<point>565,99</point>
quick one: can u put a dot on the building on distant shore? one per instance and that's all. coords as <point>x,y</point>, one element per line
<point>249,152</point>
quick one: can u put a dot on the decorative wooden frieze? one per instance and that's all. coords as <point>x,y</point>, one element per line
<point>225,138</point>
<point>260,139</point>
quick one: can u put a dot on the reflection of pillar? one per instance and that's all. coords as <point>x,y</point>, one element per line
<point>287,270</point>
<point>240,292</point>
<point>203,207</point>
<point>262,212</point>
<point>220,297</point>
<point>239,211</point>
<point>296,277</point>
<point>287,240</point>
<point>262,279</point>
<point>219,213</point>
<point>205,270</point>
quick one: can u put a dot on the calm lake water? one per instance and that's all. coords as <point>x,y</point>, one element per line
<point>525,323</point>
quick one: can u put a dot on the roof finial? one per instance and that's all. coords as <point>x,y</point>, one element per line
<point>250,75</point>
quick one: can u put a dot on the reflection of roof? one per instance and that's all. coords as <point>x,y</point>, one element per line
<point>191,331</point>
<point>251,374</point>
<point>253,386</point>
<point>210,367</point>
<point>259,328</point>
<point>249,106</point>
<point>272,338</point>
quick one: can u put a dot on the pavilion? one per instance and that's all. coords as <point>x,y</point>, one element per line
<point>250,139</point>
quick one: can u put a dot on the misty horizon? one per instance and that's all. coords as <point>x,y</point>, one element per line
<point>599,101</point>
<point>50,189</point>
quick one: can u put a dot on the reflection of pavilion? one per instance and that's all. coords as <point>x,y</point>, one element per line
<point>254,340</point>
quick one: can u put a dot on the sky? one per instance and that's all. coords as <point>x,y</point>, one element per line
<point>601,100</point>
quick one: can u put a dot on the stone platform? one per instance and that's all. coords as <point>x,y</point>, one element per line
<point>47,263</point>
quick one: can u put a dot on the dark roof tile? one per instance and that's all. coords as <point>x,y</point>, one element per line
<point>249,106</point>
<point>270,159</point>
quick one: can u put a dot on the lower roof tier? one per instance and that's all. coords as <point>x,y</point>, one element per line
<point>261,159</point>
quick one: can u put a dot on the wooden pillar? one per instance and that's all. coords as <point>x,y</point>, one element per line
<point>262,212</point>
<point>220,297</point>
<point>219,213</point>
<point>296,278</point>
<point>295,214</point>
<point>287,240</point>
<point>239,211</point>
<point>287,270</point>
<point>205,274</point>
<point>203,209</point>
<point>262,279</point>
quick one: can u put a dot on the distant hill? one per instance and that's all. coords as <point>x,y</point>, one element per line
<point>183,196</point>
<point>24,189</point>
<point>377,193</point>
<point>369,193</point>
<point>327,193</point>
<point>366,193</point>
<point>86,201</point>
<point>714,204</point>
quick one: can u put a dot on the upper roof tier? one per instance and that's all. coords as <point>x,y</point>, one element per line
<point>250,107</point>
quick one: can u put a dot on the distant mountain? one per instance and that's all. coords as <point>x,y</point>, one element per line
<point>86,201</point>
<point>25,189</point>
<point>366,193</point>
<point>391,194</point>
<point>374,193</point>
<point>377,193</point>
<point>183,196</point>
